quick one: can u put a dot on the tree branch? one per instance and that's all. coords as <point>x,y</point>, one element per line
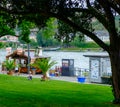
<point>114,6</point>
<point>98,15</point>
<point>84,31</point>
<point>109,17</point>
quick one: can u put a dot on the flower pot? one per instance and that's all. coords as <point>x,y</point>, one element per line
<point>33,71</point>
<point>10,73</point>
<point>81,79</point>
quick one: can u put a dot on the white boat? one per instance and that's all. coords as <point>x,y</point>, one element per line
<point>51,49</point>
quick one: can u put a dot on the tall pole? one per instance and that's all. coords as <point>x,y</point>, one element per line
<point>34,31</point>
<point>28,58</point>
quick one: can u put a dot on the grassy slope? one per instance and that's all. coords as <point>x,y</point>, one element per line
<point>20,92</point>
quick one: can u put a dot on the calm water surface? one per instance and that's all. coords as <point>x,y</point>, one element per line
<point>79,60</point>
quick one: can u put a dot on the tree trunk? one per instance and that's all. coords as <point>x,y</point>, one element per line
<point>115,66</point>
<point>44,77</point>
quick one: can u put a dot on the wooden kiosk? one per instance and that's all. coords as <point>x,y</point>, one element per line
<point>20,58</point>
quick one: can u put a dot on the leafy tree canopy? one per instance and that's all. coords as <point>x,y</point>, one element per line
<point>77,13</point>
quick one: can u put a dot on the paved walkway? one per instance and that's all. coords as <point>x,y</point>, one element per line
<point>62,78</point>
<point>65,78</point>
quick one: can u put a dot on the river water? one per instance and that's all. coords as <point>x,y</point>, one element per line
<point>79,60</point>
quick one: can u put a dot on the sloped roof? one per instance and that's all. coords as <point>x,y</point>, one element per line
<point>16,55</point>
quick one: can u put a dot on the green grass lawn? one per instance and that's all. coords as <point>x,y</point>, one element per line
<point>19,92</point>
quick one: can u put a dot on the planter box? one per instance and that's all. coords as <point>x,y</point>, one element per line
<point>81,79</point>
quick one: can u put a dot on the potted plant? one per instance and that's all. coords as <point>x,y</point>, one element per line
<point>81,78</point>
<point>44,65</point>
<point>10,66</point>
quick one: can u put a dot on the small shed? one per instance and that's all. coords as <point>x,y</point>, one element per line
<point>100,68</point>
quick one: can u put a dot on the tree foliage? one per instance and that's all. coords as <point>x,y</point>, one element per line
<point>25,27</point>
<point>50,29</point>
<point>44,65</point>
<point>2,45</point>
<point>44,41</point>
<point>65,33</point>
<point>9,64</point>
<point>45,36</point>
<point>5,29</point>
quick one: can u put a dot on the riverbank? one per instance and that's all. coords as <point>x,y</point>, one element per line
<point>68,49</point>
<point>75,49</point>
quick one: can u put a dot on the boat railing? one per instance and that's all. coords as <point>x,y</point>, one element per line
<point>80,71</point>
